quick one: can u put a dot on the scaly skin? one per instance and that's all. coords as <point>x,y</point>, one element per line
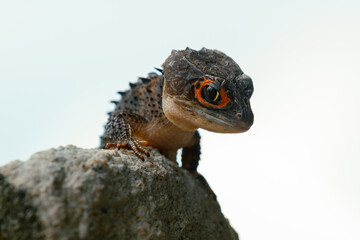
<point>198,89</point>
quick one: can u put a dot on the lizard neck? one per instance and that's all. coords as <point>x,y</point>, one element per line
<point>171,110</point>
<point>161,133</point>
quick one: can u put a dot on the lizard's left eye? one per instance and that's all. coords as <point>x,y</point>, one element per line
<point>211,94</point>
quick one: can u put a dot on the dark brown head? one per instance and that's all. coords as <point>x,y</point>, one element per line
<point>206,89</point>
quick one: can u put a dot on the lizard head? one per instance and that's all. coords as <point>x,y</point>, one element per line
<point>206,89</point>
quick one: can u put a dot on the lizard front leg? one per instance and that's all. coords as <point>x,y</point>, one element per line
<point>190,160</point>
<point>118,133</point>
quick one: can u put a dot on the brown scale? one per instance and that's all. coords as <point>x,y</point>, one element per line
<point>141,108</point>
<point>197,89</point>
<point>143,98</point>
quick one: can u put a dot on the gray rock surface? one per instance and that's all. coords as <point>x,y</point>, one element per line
<point>74,193</point>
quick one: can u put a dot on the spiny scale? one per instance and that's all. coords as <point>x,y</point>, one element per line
<point>145,80</point>
<point>133,85</point>
<point>121,93</point>
<point>159,69</point>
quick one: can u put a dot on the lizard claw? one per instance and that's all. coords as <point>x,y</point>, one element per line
<point>133,145</point>
<point>118,132</point>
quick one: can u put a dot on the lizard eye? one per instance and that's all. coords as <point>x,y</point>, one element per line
<point>211,94</point>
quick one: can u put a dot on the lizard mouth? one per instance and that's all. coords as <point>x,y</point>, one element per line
<point>211,120</point>
<point>223,125</point>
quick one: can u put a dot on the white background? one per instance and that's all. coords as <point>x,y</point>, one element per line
<point>294,175</point>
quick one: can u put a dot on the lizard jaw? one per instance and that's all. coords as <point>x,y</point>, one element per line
<point>221,126</point>
<point>189,116</point>
<point>176,113</point>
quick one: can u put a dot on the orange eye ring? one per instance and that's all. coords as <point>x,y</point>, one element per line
<point>198,88</point>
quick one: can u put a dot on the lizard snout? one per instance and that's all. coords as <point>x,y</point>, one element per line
<point>245,116</point>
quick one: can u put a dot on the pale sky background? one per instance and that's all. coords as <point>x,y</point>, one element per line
<point>294,175</point>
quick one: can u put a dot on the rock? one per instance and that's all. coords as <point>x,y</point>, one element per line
<point>74,193</point>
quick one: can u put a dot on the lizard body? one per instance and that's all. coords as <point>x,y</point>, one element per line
<point>197,89</point>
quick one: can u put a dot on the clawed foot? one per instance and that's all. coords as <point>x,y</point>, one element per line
<point>204,183</point>
<point>132,144</point>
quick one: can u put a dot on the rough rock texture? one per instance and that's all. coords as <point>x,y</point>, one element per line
<point>74,193</point>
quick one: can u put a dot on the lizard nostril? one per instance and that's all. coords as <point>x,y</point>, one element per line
<point>238,115</point>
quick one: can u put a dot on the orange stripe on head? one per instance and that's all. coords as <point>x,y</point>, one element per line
<point>198,88</point>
